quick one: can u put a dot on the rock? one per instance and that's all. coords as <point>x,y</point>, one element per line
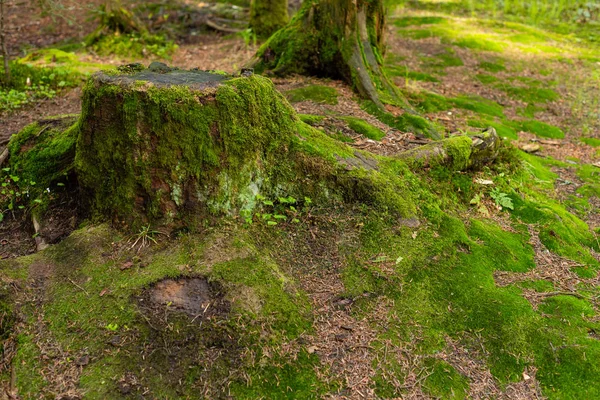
<point>530,147</point>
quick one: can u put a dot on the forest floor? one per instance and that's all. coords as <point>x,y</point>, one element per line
<point>375,335</point>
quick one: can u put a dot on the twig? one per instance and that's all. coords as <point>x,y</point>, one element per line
<point>79,287</point>
<point>560,293</point>
<point>3,156</point>
<point>221,28</point>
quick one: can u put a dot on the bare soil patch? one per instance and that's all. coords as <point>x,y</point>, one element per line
<point>195,297</point>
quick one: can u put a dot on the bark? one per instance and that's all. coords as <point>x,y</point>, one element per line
<point>268,16</point>
<point>457,153</point>
<point>5,55</point>
<point>340,39</point>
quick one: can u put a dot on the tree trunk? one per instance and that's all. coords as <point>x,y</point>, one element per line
<point>3,44</point>
<point>268,16</point>
<point>340,39</point>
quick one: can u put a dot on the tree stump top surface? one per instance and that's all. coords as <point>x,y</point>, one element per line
<point>163,76</point>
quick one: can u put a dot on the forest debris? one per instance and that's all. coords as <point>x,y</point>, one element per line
<point>40,243</point>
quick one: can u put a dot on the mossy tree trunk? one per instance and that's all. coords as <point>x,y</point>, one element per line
<point>268,16</point>
<point>5,56</point>
<point>341,39</point>
<point>166,145</point>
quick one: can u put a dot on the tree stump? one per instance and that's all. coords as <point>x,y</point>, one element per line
<point>160,144</point>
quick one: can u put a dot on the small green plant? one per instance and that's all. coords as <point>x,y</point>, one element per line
<point>249,37</point>
<point>502,199</point>
<point>112,327</point>
<point>282,209</point>
<point>144,237</point>
<point>15,193</point>
<point>31,83</point>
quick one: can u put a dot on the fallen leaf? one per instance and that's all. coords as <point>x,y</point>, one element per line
<point>311,349</point>
<point>103,292</point>
<point>484,181</point>
<point>526,377</point>
<point>126,265</point>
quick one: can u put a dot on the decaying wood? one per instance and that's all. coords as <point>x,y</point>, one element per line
<point>457,153</point>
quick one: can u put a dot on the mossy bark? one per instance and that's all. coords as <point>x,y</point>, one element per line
<point>268,16</point>
<point>457,153</point>
<point>157,146</point>
<point>340,39</point>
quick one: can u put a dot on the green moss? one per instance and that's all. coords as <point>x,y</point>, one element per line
<point>479,105</point>
<point>242,118</point>
<point>486,79</point>
<point>591,141</point>
<point>492,67</point>
<point>530,110</point>
<point>41,157</point>
<point>30,382</point>
<point>283,379</point>
<point>362,127</point>
<point>132,45</point>
<point>508,251</point>
<point>419,33</point>
<point>311,119</point>
<point>480,42</point>
<point>404,72</point>
<point>444,60</point>
<point>316,93</point>
<point>540,285</point>
<point>66,65</point>
<point>541,129</point>
<point>267,17</point>
<point>444,381</point>
<point>272,312</point>
<point>530,94</point>
<point>413,20</point>
<point>502,129</point>
<point>406,122</point>
<point>279,298</point>
<point>431,102</point>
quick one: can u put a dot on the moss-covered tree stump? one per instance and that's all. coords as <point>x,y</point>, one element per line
<point>162,144</point>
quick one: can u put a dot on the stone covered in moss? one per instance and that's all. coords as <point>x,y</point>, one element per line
<point>156,144</point>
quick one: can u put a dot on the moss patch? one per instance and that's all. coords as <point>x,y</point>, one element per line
<point>364,128</point>
<point>316,93</point>
<point>541,129</point>
<point>502,129</point>
<point>494,67</point>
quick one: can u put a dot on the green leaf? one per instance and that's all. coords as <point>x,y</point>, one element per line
<point>271,223</point>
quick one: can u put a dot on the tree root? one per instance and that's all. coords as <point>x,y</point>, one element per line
<point>457,153</point>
